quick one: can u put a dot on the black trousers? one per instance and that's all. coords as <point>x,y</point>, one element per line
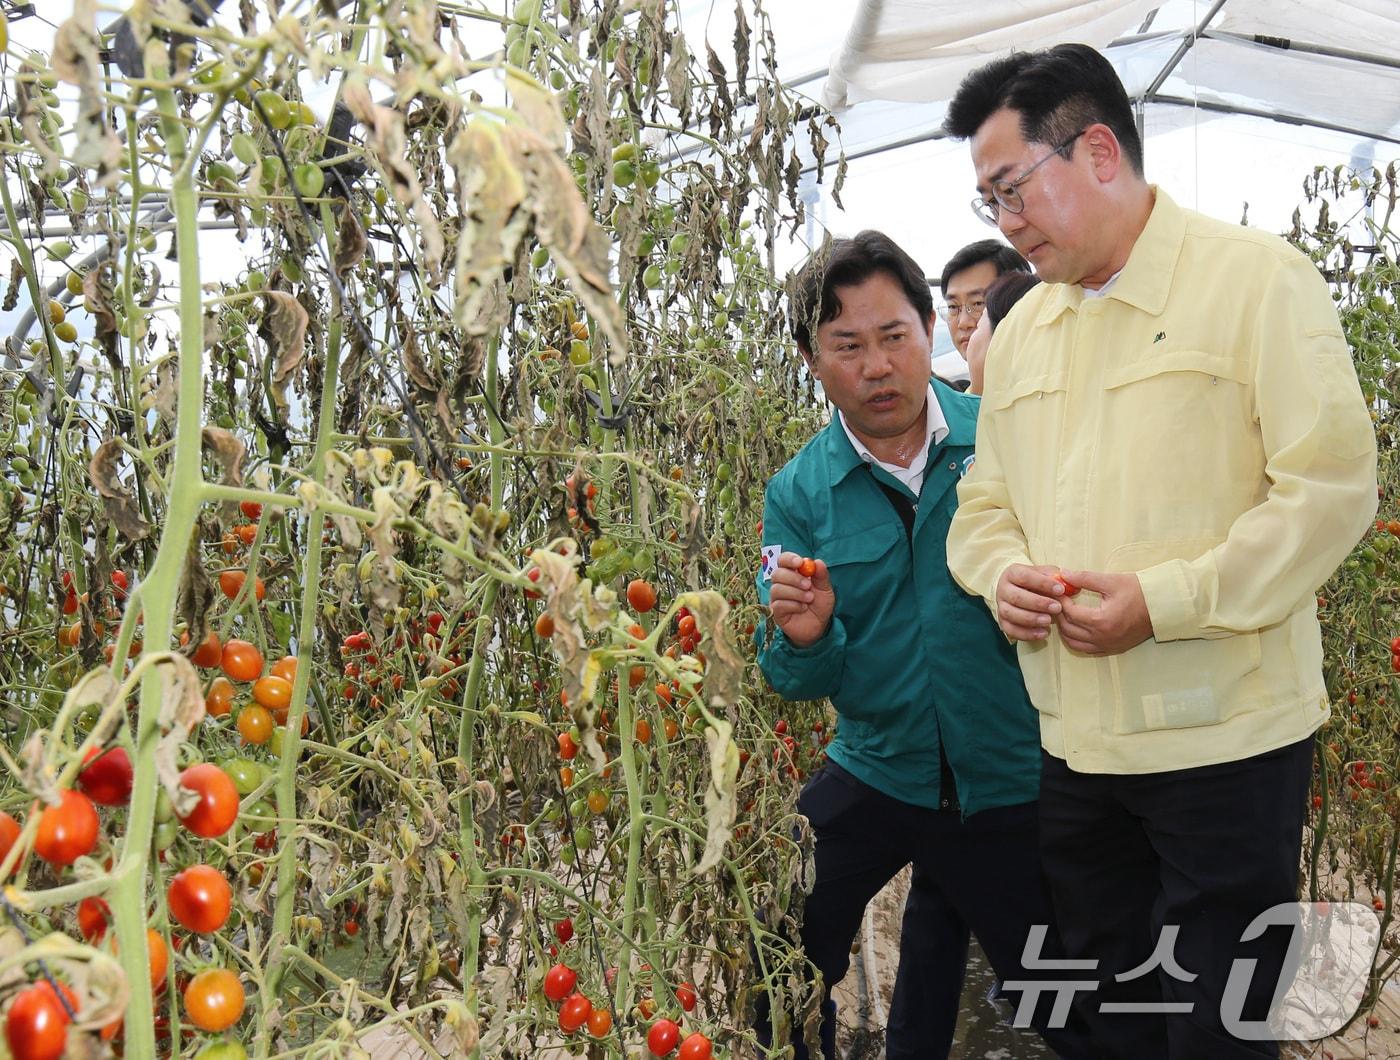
<point>981,875</point>
<point>1203,851</point>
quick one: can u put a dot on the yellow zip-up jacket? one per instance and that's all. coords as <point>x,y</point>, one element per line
<point>1199,424</point>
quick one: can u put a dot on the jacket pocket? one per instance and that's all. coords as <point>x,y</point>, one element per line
<point>1033,388</point>
<point>860,576</point>
<point>1188,416</point>
<point>1181,684</point>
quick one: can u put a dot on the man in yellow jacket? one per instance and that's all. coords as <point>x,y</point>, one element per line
<point>1173,455</point>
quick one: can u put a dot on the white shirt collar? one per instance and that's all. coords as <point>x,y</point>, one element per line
<point>1090,292</point>
<point>935,430</point>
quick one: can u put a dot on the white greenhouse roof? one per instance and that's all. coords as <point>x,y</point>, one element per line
<point>1240,99</point>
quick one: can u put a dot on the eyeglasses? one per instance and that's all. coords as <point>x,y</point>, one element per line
<point>973,308</point>
<point>1005,193</point>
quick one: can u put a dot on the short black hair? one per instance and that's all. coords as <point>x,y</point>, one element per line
<point>1004,292</point>
<point>812,297</point>
<point>1004,257</point>
<point>1057,92</point>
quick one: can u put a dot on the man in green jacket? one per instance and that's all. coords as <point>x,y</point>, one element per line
<point>936,756</point>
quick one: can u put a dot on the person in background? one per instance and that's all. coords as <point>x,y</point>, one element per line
<point>935,759</point>
<point>1173,455</point>
<point>1005,291</point>
<point>964,284</point>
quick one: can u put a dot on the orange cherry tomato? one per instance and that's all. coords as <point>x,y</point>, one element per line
<point>285,668</point>
<point>218,701</point>
<point>214,999</point>
<point>67,831</point>
<point>255,724</point>
<point>273,692</point>
<point>807,568</point>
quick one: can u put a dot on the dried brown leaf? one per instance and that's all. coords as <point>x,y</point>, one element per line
<point>77,49</point>
<point>720,806</point>
<point>228,450</point>
<point>120,505</point>
<point>284,326</point>
<point>538,106</point>
<point>350,241</point>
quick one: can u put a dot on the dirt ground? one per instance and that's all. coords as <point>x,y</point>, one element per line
<point>863,998</point>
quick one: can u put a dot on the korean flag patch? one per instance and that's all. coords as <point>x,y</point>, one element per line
<point>769,562</point>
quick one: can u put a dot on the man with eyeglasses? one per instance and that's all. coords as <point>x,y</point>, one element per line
<point>1173,454</point>
<point>964,285</point>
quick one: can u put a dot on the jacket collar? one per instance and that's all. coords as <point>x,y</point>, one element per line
<point>1146,278</point>
<point>960,411</point>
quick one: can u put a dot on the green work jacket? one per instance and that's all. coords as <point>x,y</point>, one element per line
<point>909,659</point>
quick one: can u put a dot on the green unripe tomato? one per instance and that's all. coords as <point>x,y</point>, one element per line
<point>624,152</point>
<point>165,811</point>
<point>557,80</point>
<point>651,173</point>
<point>579,353</point>
<point>291,269</point>
<point>261,816</point>
<point>310,179</point>
<point>244,772</point>
<point>245,149</point>
<point>624,173</point>
<point>381,196</point>
<point>651,277</point>
<point>60,250</point>
<point>74,282</point>
<point>165,834</point>
<point>540,258</point>
<point>222,1051</point>
<point>256,280</point>
<point>279,114</point>
<point>679,242</point>
<point>272,172</point>
<point>78,200</point>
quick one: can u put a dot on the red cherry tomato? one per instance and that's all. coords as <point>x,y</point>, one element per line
<point>564,930</point>
<point>200,898</point>
<point>217,808</point>
<point>241,660</point>
<point>696,1047</point>
<point>574,1013</point>
<point>9,832</point>
<point>93,917</point>
<point>641,595</point>
<point>685,994</point>
<point>36,1026</point>
<point>559,982</point>
<point>1070,588</point>
<point>106,776</point>
<point>67,831</point>
<point>662,1037</point>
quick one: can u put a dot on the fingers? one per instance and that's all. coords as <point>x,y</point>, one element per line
<point>1040,581</point>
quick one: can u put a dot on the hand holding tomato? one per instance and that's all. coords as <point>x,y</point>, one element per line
<point>1027,600</point>
<point>801,604</point>
<point>1118,623</point>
